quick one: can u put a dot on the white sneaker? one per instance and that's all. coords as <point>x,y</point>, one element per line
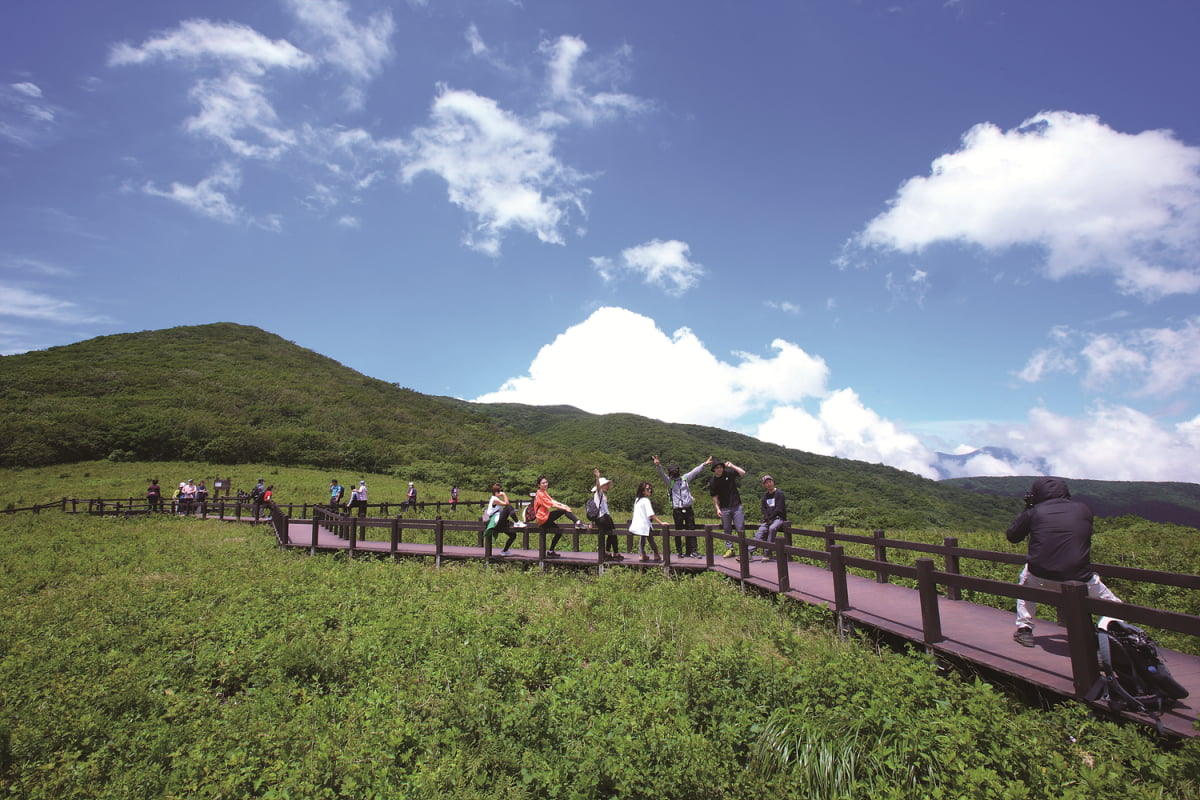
<point>518,524</point>
<point>581,524</point>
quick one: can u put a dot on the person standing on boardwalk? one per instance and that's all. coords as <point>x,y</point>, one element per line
<point>336,493</point>
<point>724,491</point>
<point>202,498</point>
<point>603,520</point>
<point>681,504</point>
<point>546,510</point>
<point>643,515</point>
<point>497,515</point>
<point>774,514</point>
<point>453,497</point>
<point>1060,548</point>
<point>257,494</point>
<point>410,501</point>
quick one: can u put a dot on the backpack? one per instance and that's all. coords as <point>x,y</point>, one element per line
<point>530,513</point>
<point>1133,675</point>
<point>592,509</point>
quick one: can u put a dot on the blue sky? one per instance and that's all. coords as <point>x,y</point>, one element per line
<point>870,230</point>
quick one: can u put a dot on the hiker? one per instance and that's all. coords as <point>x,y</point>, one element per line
<point>358,499</point>
<point>724,490</point>
<point>410,501</point>
<point>546,510</point>
<point>774,514</point>
<point>497,514</point>
<point>154,496</point>
<point>1060,548</point>
<point>643,515</point>
<point>336,493</point>
<point>681,504</point>
<point>256,496</point>
<point>602,519</point>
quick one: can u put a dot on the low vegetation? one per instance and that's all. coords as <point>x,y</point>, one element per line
<point>166,657</point>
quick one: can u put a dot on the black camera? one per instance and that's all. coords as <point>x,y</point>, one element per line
<point>1029,501</point>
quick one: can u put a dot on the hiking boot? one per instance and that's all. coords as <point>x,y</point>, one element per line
<point>1023,636</point>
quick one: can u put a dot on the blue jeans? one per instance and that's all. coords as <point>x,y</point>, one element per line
<point>733,518</point>
<point>766,531</point>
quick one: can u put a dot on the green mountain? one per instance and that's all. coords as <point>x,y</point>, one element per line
<point>233,394</point>
<point>1176,503</point>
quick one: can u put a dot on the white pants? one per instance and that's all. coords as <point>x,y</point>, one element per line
<point>1026,609</point>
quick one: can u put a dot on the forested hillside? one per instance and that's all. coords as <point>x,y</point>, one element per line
<point>235,394</point>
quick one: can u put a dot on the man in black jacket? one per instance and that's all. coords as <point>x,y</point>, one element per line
<point>1060,547</point>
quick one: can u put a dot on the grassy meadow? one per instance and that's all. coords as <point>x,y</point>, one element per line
<point>173,658</point>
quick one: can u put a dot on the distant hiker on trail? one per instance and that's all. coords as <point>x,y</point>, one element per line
<point>643,515</point>
<point>410,501</point>
<point>336,493</point>
<point>546,510</point>
<point>724,490</point>
<point>187,496</point>
<point>453,497</point>
<point>1060,548</point>
<point>602,519</point>
<point>202,498</point>
<point>774,514</point>
<point>256,496</point>
<point>497,515</point>
<point>154,496</point>
<point>681,504</point>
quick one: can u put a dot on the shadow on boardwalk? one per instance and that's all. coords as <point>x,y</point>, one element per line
<point>968,635</point>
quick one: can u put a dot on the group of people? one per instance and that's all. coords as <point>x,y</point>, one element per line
<point>192,496</point>
<point>544,511</point>
<point>358,498</point>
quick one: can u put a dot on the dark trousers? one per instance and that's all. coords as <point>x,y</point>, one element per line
<point>685,520</point>
<point>550,525</point>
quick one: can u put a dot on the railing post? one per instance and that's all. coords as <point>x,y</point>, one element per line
<point>837,566</point>
<point>1081,636</point>
<point>881,575</point>
<point>439,538</point>
<point>952,592</point>
<point>781,562</point>
<point>931,617</point>
<point>395,534</point>
<point>315,527</point>
<point>666,534</point>
<point>829,540</point>
<point>708,546</point>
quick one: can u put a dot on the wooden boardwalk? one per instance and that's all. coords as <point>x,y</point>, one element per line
<point>973,636</point>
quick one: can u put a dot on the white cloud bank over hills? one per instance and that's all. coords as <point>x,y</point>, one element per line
<point>791,388</point>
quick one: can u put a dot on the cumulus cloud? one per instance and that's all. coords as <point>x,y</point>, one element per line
<point>1094,199</point>
<point>664,264</point>
<point>773,396</point>
<point>1149,362</point>
<point>845,427</point>
<point>731,389</point>
<point>361,51</point>
<point>1114,443</point>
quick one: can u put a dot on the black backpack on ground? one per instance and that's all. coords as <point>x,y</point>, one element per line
<point>1133,676</point>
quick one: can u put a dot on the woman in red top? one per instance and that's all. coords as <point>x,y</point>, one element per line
<point>546,510</point>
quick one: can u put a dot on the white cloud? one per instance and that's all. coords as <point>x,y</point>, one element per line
<point>1107,443</point>
<point>730,390</point>
<point>846,428</point>
<point>1155,362</point>
<point>16,301</point>
<point>208,198</point>
<point>568,77</point>
<point>200,40</point>
<point>358,50</point>
<point>26,117</point>
<point>1095,199</point>
<point>1114,443</point>
<point>497,167</point>
<point>665,264</point>
<point>236,112</point>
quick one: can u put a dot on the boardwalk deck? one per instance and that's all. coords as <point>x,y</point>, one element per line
<point>975,635</point>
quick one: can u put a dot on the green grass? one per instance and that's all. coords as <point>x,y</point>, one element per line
<point>151,658</point>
